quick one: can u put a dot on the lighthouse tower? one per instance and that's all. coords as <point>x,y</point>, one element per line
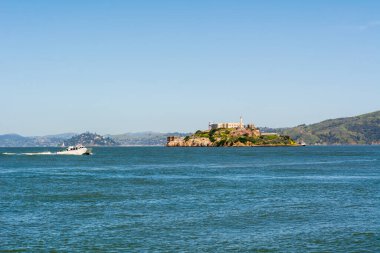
<point>241,122</point>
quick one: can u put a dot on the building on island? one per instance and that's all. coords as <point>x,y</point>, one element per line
<point>231,125</point>
<point>227,125</point>
<point>236,125</point>
<point>203,138</point>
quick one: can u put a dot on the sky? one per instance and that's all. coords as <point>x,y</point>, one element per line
<point>113,67</point>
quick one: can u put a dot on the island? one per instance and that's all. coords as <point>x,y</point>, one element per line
<point>90,139</point>
<point>231,134</point>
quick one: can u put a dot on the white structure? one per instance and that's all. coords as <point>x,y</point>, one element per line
<point>266,134</point>
<point>77,150</point>
<point>227,125</point>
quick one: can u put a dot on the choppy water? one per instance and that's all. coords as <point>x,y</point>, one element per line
<point>305,199</point>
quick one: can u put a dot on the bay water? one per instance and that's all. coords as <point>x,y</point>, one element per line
<point>158,199</point>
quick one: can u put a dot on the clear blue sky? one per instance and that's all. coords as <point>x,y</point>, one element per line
<point>127,66</point>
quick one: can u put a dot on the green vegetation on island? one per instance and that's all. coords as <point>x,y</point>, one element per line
<point>233,137</point>
<point>230,137</point>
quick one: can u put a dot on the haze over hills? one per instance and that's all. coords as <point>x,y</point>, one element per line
<point>88,139</point>
<point>144,138</point>
<point>15,140</point>
<point>362,129</point>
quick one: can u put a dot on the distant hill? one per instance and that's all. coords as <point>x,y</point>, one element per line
<point>127,139</point>
<point>362,129</point>
<point>90,139</point>
<point>15,140</point>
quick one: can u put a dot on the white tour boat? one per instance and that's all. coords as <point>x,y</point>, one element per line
<point>75,150</point>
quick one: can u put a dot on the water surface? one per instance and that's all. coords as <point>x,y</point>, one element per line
<point>192,199</point>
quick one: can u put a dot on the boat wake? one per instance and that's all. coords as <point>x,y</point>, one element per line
<point>71,150</point>
<point>40,153</point>
<point>35,153</point>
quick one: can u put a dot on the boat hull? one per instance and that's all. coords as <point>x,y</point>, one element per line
<point>81,151</point>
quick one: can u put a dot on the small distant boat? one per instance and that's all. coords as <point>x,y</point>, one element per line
<point>302,143</point>
<point>75,150</point>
